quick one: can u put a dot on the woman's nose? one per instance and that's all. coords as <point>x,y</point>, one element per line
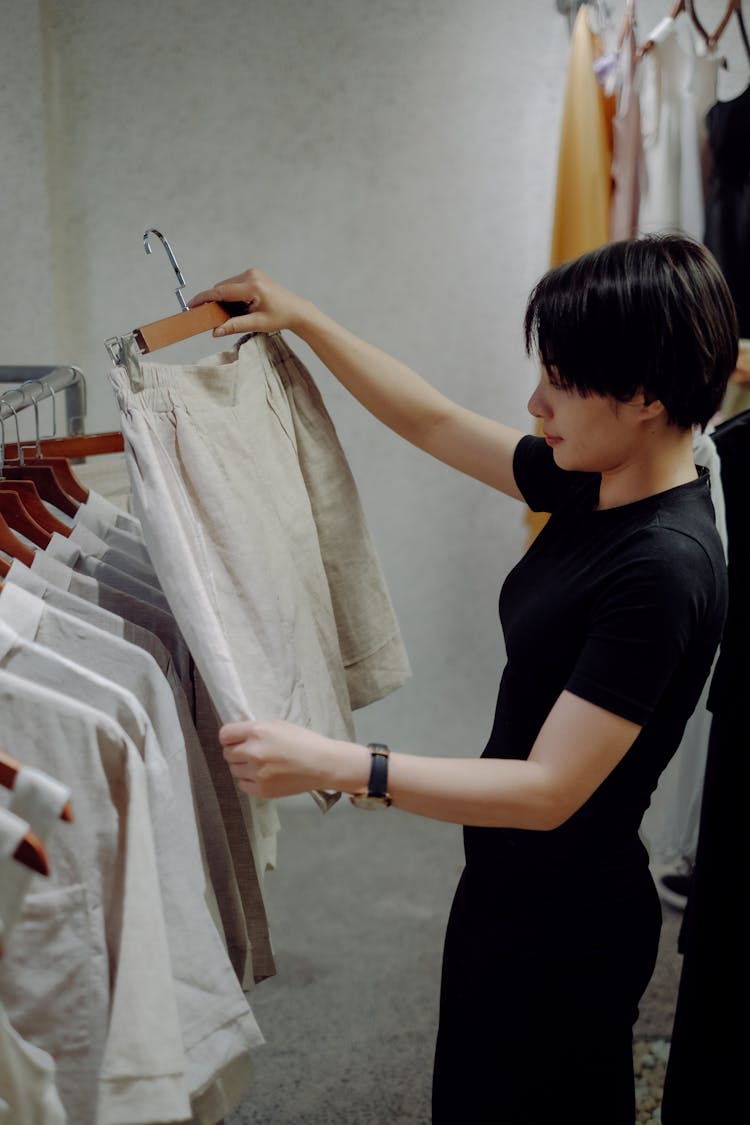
<point>536,405</point>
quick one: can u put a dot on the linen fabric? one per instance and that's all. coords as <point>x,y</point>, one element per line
<point>238,891</point>
<point>101,510</point>
<point>149,614</point>
<point>38,799</point>
<point>218,484</point>
<point>131,668</point>
<point>86,972</point>
<point>27,1081</point>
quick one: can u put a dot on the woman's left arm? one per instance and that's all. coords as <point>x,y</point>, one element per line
<point>577,747</point>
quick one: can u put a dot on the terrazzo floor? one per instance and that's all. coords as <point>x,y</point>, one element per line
<point>358,907</point>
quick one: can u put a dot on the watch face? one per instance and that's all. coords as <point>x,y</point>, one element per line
<point>363,801</point>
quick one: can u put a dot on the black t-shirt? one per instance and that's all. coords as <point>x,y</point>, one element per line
<point>623,607</point>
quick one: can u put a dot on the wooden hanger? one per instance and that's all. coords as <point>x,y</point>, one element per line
<point>12,545</point>
<point>34,485</point>
<point>67,487</point>
<point>19,519</point>
<point>30,852</point>
<point>48,482</point>
<point>9,770</point>
<point>677,10</point>
<point>184,324</point>
<point>711,39</point>
<point>30,497</point>
<point>76,446</point>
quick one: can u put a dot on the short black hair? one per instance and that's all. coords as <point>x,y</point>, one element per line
<point>651,314</point>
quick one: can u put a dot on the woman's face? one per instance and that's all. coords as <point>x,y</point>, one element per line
<point>594,434</point>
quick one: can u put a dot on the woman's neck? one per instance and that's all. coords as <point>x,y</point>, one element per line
<point>668,463</point>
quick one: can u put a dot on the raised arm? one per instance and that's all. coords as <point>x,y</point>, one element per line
<point>391,391</point>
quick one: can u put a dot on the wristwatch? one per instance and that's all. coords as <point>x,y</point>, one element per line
<point>376,795</point>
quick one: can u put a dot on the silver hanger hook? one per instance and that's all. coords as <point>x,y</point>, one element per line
<point>18,430</point>
<point>173,262</point>
<point>35,404</point>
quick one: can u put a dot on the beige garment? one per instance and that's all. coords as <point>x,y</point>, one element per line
<point>217,1026</point>
<point>243,909</point>
<point>28,1094</point>
<point>212,451</point>
<point>86,972</point>
<point>219,859</point>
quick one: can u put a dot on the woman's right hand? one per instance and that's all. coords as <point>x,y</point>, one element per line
<point>270,307</point>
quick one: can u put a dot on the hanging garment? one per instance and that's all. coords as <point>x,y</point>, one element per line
<point>677,88</point>
<point>583,196</point>
<point>235,814</point>
<point>217,1026</point>
<point>727,229</point>
<point>28,1094</point>
<point>670,824</point>
<point>86,971</point>
<point>264,503</point>
<point>99,508</point>
<point>627,146</point>
<point>131,668</point>
<point>146,612</point>
<point>28,1090</point>
<point>229,471</point>
<point>584,180</point>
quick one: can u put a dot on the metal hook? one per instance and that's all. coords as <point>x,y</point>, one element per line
<point>18,430</point>
<point>35,404</point>
<point>173,261</point>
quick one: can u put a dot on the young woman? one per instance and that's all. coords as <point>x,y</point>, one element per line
<point>611,621</point>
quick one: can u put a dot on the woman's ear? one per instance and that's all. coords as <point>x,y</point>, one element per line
<point>647,409</point>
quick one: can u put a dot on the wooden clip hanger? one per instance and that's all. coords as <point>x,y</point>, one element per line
<point>711,39</point>
<point>9,770</point>
<point>26,485</point>
<point>677,10</point>
<point>30,852</point>
<point>180,326</point>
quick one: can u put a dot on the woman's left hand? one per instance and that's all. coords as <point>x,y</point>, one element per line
<point>279,759</point>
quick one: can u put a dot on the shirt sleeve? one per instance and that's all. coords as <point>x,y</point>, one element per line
<point>642,625</point>
<point>542,484</point>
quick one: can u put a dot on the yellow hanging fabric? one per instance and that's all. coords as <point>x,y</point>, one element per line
<point>584,169</point>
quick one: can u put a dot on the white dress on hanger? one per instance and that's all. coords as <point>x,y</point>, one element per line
<point>678,87</point>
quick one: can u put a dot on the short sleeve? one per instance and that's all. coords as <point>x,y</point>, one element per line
<point>643,623</point>
<point>542,484</point>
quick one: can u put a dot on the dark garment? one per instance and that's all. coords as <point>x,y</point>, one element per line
<point>553,936</point>
<point>705,1077</point>
<point>727,232</point>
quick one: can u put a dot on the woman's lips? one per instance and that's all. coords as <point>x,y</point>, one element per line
<point>552,439</point>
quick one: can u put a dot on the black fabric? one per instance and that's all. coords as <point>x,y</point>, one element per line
<point>727,232</point>
<point>705,1078</point>
<point>553,935</point>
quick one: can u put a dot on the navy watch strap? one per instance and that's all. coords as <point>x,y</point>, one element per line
<point>378,785</point>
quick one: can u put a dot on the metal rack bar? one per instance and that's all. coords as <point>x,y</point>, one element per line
<point>68,379</point>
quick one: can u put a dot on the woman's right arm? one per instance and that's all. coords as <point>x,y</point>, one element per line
<point>399,397</point>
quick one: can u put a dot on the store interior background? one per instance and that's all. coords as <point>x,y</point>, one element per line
<point>395,162</point>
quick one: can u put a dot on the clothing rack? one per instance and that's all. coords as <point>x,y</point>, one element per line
<point>37,383</point>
